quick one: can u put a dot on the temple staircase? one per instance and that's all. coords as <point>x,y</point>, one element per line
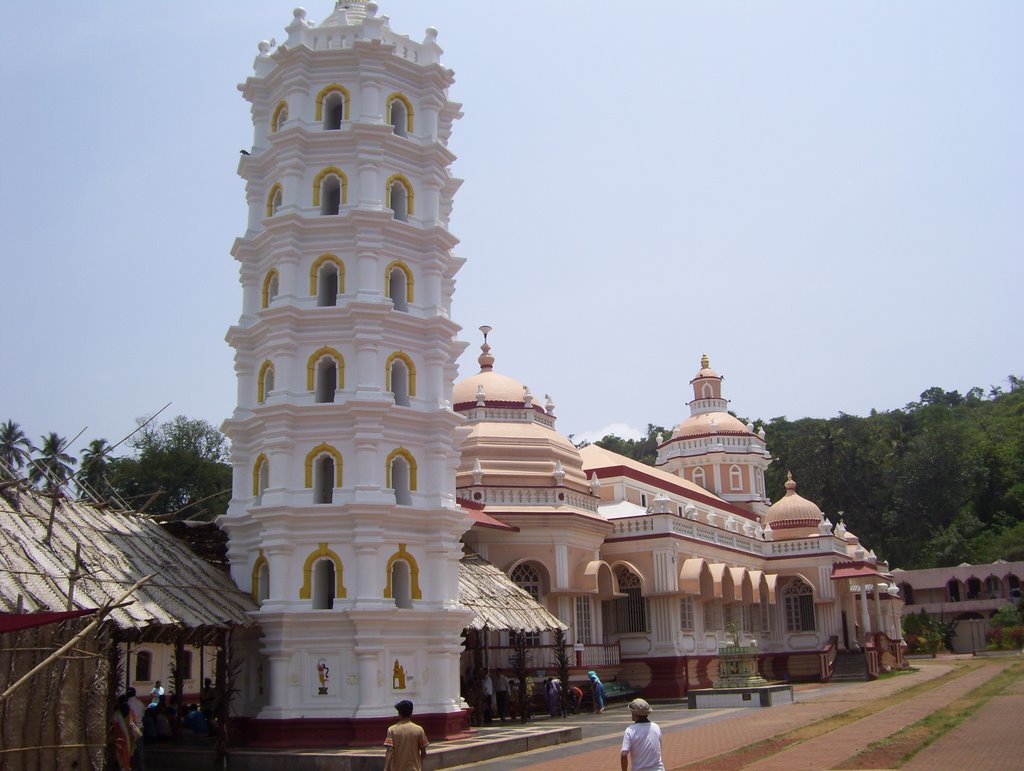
<point>850,668</point>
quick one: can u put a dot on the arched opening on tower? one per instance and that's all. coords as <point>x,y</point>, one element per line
<point>323,480</point>
<point>398,289</point>
<point>280,117</point>
<point>401,583</point>
<point>334,110</point>
<point>399,117</point>
<point>735,478</point>
<point>400,481</point>
<point>266,384</point>
<point>326,379</point>
<point>275,202</point>
<point>263,581</point>
<point>400,382</point>
<point>399,201</point>
<point>698,477</point>
<point>262,479</point>
<point>327,285</point>
<point>706,391</point>
<point>330,195</point>
<point>323,585</point>
<point>271,286</point>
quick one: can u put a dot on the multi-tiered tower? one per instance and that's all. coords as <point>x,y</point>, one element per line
<point>343,519</point>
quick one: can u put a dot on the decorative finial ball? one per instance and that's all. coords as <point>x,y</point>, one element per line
<point>264,46</point>
<point>431,33</point>
<point>371,9</point>
<point>299,13</point>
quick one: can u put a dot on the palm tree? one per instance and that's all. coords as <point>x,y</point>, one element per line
<point>52,467</point>
<point>91,478</point>
<point>14,448</point>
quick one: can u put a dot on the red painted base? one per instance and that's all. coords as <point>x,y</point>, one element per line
<point>339,732</point>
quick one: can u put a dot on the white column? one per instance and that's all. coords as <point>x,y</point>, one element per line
<point>865,622</point>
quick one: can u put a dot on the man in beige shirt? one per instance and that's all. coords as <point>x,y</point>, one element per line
<point>405,746</point>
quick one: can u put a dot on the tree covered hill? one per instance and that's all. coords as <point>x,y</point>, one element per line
<point>936,483</point>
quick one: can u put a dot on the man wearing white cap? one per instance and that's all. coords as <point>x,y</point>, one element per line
<point>642,740</point>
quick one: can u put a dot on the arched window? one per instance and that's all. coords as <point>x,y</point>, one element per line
<point>401,475</point>
<point>527,578</point>
<point>271,285</point>
<point>403,578</point>
<point>993,588</point>
<point>326,279</point>
<point>260,477</point>
<point>735,478</point>
<point>908,593</point>
<point>953,589</point>
<point>260,578</point>
<point>279,118</point>
<point>706,391</point>
<point>399,114</point>
<point>400,378</point>
<point>798,603</point>
<point>698,477</point>
<point>631,610</point>
<point>274,199</point>
<point>399,195</point>
<point>332,106</point>
<point>399,285</point>
<point>330,190</point>
<point>325,374</point>
<point>1014,584</point>
<point>973,588</point>
<point>143,666</point>
<point>323,584</point>
<point>264,382</point>
<point>323,472</point>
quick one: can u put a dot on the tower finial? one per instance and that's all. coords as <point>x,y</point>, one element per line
<point>704,361</point>
<point>485,359</point>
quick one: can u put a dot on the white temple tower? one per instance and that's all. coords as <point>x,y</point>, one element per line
<point>343,520</point>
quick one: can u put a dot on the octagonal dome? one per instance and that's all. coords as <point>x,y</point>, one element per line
<point>793,509</point>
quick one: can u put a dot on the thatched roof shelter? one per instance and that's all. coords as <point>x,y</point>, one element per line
<point>95,555</point>
<point>497,602</point>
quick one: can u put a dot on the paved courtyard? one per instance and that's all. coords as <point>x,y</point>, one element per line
<point>991,738</point>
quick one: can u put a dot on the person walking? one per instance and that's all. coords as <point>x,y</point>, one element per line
<point>405,746</point>
<point>501,694</point>
<point>641,743</point>
<point>596,691</point>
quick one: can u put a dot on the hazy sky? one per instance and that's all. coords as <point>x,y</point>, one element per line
<point>828,198</point>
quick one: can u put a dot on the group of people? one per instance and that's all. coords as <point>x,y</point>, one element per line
<point>136,722</point>
<point>405,746</point>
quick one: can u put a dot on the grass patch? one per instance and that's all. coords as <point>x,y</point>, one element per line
<point>895,750</point>
<point>752,753</point>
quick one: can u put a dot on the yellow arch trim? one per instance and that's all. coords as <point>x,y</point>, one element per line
<point>256,468</point>
<point>265,297</point>
<point>315,269</point>
<point>316,452</point>
<point>414,574</point>
<point>410,282</point>
<point>325,92</point>
<point>322,552</point>
<point>410,196</point>
<point>261,395</point>
<point>400,97</point>
<point>254,586</point>
<point>401,452</point>
<point>274,190</point>
<point>410,367</point>
<point>326,173</point>
<point>282,106</point>
<point>312,362</point>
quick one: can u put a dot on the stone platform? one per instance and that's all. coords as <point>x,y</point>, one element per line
<point>744,696</point>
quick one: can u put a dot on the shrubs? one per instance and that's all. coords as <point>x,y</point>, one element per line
<point>925,634</point>
<point>1006,638</point>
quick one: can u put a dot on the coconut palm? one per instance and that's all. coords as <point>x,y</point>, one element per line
<point>91,477</point>
<point>14,448</point>
<point>51,468</point>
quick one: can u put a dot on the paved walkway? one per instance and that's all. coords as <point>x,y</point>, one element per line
<point>694,736</point>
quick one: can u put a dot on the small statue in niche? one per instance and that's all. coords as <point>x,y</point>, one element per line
<point>398,677</point>
<point>324,673</point>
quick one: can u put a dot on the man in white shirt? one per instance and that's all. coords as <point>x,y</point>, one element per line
<point>487,689</point>
<point>642,741</point>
